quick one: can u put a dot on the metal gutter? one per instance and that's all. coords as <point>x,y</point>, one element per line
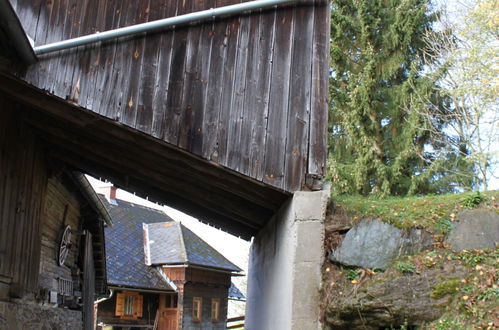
<point>9,22</point>
<point>170,22</point>
<point>126,288</point>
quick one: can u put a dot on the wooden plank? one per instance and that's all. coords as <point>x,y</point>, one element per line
<point>149,71</point>
<point>162,79</point>
<point>112,76</point>
<point>89,85</point>
<point>278,109</point>
<point>191,134</point>
<point>122,61</point>
<point>259,93</point>
<point>299,105</point>
<point>236,116</point>
<point>214,90</point>
<point>28,12</point>
<point>228,86</point>
<point>320,77</point>
<point>176,80</point>
<point>134,71</point>
<point>105,62</point>
<point>192,86</point>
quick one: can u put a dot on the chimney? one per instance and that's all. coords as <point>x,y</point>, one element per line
<point>109,192</point>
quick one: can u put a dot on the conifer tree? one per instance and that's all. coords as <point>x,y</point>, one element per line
<point>378,141</point>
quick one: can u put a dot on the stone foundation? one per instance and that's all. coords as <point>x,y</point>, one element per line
<point>34,317</point>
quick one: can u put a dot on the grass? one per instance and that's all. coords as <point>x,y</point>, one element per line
<point>436,212</point>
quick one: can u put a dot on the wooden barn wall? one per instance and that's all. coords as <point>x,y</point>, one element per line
<point>22,187</point>
<point>61,208</point>
<point>245,92</point>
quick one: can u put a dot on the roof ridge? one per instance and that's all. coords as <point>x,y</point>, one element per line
<point>209,245</point>
<point>182,241</point>
<point>142,206</point>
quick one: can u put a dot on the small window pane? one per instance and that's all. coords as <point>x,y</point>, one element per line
<point>197,309</point>
<point>128,310</point>
<point>215,310</point>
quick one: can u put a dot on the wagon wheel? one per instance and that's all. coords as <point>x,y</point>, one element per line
<point>65,245</point>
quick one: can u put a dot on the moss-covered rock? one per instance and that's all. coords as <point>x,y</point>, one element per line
<point>445,288</point>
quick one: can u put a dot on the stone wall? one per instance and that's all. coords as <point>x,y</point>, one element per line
<point>285,266</point>
<point>33,317</point>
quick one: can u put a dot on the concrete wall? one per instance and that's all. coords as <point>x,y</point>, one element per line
<point>285,266</point>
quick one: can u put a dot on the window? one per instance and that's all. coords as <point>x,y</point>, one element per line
<point>215,310</point>
<point>171,301</point>
<point>129,305</point>
<point>128,308</point>
<point>197,309</point>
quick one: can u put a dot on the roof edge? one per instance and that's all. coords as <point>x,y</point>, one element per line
<point>18,37</point>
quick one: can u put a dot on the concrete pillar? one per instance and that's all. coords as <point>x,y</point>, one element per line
<point>284,274</point>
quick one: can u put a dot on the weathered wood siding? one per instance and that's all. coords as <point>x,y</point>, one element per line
<point>106,310</point>
<point>22,189</point>
<point>246,92</point>
<point>61,209</point>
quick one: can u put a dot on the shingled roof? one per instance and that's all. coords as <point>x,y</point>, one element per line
<point>125,249</point>
<point>172,243</point>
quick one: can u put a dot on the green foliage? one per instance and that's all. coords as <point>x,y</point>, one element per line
<point>351,274</point>
<point>444,225</point>
<point>406,267</point>
<point>445,288</point>
<point>378,140</point>
<point>474,200</point>
<point>448,323</point>
<point>433,212</point>
<point>489,294</point>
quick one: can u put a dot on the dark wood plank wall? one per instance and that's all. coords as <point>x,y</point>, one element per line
<point>246,92</point>
<point>22,187</point>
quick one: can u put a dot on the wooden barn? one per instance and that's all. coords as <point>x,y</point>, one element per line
<point>162,275</point>
<point>221,115</point>
<point>52,263</point>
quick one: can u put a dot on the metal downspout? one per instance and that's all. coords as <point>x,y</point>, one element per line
<point>161,24</point>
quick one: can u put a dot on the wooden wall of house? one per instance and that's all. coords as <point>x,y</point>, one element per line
<point>194,282</point>
<point>206,292</point>
<point>247,92</point>
<point>22,189</point>
<point>106,310</point>
<point>61,208</point>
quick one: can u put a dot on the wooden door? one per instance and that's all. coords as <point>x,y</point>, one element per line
<point>168,319</point>
<point>167,313</point>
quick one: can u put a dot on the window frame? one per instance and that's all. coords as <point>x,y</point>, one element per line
<point>215,309</point>
<point>197,309</point>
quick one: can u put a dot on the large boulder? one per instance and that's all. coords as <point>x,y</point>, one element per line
<point>389,300</point>
<point>372,243</point>
<point>475,230</point>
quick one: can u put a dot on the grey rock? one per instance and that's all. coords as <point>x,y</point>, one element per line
<point>387,301</point>
<point>475,229</point>
<point>374,244</point>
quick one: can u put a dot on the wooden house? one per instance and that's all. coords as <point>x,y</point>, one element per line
<point>52,263</point>
<point>161,273</point>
